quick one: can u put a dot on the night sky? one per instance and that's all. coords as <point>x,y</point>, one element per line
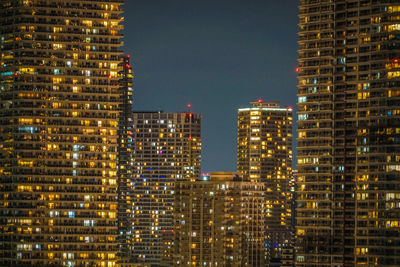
<point>217,55</point>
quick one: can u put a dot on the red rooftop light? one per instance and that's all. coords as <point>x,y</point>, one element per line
<point>189,105</point>
<point>259,100</point>
<point>297,69</point>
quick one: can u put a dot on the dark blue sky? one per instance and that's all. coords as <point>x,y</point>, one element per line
<point>217,55</point>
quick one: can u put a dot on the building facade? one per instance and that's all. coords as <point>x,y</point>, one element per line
<point>166,149</point>
<point>59,98</point>
<point>219,221</point>
<point>264,154</point>
<point>348,133</point>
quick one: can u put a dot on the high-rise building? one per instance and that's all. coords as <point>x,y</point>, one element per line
<point>125,160</point>
<point>166,149</point>
<point>264,155</point>
<point>219,221</point>
<point>348,133</point>
<point>59,98</point>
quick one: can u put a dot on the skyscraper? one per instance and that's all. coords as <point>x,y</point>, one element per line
<point>59,98</point>
<point>348,133</point>
<point>265,155</point>
<point>166,149</point>
<point>219,221</point>
<point>125,160</point>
